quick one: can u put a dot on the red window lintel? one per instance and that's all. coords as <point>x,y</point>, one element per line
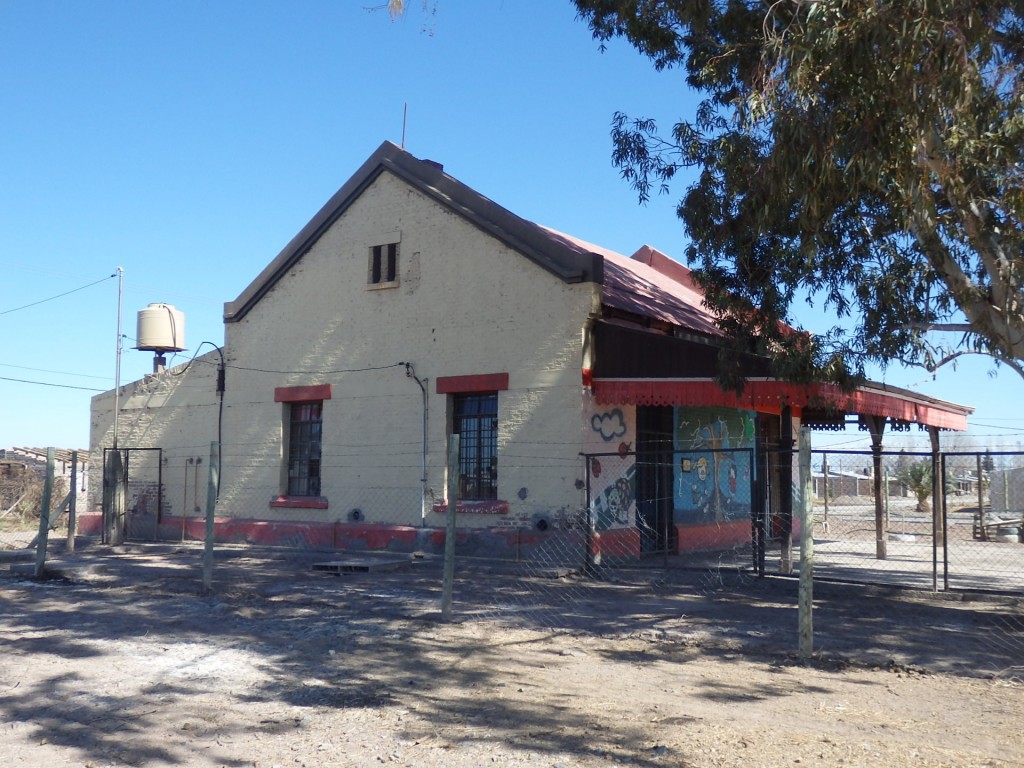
<point>302,394</point>
<point>480,382</point>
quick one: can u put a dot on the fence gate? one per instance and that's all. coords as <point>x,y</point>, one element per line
<point>132,494</point>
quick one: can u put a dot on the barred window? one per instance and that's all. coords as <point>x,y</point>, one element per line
<point>383,264</point>
<point>475,421</point>
<point>304,432</point>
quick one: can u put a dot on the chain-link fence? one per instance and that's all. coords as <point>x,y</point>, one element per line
<point>892,529</point>
<point>656,540</point>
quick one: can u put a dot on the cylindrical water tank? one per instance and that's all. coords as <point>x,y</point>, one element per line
<point>161,328</point>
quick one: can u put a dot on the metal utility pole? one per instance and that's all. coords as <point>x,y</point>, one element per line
<point>117,367</point>
<point>211,509</point>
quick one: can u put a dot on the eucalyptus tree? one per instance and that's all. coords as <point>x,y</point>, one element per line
<point>864,155</point>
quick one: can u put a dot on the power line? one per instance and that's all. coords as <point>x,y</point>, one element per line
<point>996,426</point>
<point>49,370</point>
<point>48,384</point>
<point>311,372</point>
<point>59,295</point>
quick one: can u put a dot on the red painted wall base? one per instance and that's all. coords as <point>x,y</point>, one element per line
<point>513,543</point>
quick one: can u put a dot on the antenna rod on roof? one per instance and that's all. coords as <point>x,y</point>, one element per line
<point>405,114</point>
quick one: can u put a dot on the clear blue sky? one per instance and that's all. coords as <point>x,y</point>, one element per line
<point>187,142</point>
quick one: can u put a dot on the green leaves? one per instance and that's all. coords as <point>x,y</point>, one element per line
<point>867,155</point>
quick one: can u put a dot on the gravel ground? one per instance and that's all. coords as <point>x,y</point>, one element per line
<point>124,662</point>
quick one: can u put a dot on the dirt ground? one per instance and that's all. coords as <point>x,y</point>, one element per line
<point>124,662</point>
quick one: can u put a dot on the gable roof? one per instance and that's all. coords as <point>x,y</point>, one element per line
<point>649,284</point>
<point>571,262</point>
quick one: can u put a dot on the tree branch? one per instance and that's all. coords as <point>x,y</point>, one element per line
<point>932,367</point>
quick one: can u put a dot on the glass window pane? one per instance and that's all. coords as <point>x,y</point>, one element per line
<point>304,449</point>
<point>476,423</point>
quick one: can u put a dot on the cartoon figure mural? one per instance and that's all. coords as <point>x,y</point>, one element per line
<point>701,485</point>
<point>713,464</point>
<point>613,507</point>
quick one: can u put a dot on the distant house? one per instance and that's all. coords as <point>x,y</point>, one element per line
<point>839,484</point>
<point>1007,491</point>
<point>411,308</point>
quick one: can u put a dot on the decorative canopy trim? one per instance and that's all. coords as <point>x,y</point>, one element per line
<point>771,395</point>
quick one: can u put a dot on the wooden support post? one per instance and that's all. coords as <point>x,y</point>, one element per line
<point>981,501</point>
<point>211,508</point>
<point>73,502</point>
<point>448,584</point>
<point>876,426</point>
<point>44,516</point>
<point>805,600</point>
<point>824,472</point>
<point>937,531</point>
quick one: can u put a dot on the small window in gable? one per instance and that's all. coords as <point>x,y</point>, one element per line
<point>383,270</point>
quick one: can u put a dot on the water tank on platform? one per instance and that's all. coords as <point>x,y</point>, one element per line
<point>161,328</point>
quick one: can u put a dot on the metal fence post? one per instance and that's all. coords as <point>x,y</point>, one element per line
<point>73,507</point>
<point>448,583</point>
<point>944,522</point>
<point>806,590</point>
<point>591,547</point>
<point>211,507</point>
<point>44,515</point>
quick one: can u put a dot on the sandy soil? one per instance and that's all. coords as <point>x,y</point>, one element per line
<point>289,668</point>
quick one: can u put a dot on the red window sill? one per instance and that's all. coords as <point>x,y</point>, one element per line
<point>300,502</point>
<point>490,507</point>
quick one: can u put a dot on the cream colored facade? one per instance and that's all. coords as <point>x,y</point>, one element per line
<point>465,303</point>
<point>175,411</point>
<point>573,339</point>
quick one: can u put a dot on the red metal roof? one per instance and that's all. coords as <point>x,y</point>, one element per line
<point>649,284</point>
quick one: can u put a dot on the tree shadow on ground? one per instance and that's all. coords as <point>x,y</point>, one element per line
<point>297,641</point>
<point>306,642</point>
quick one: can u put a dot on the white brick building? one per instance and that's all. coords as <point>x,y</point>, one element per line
<point>411,307</point>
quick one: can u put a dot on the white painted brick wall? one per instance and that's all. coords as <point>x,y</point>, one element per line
<point>466,304</point>
<point>175,410</point>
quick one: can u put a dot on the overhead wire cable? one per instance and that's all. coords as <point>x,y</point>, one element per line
<point>50,370</point>
<point>58,296</point>
<point>48,384</point>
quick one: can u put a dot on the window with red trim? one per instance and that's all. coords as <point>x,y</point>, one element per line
<point>305,426</point>
<point>475,421</point>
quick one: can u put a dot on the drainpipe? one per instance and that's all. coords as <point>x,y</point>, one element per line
<point>411,373</point>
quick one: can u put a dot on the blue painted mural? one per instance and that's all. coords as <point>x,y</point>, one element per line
<point>712,470</point>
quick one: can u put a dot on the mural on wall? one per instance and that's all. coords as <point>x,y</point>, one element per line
<point>609,425</point>
<point>712,470</point>
<point>613,506</point>
<point>613,473</point>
